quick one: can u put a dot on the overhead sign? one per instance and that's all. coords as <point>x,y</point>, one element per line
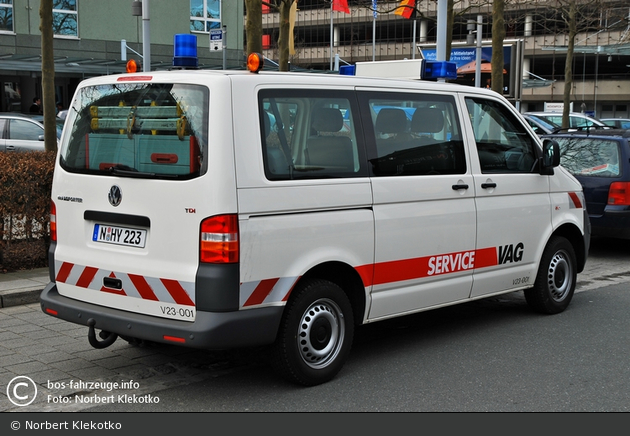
<point>216,39</point>
<point>465,58</point>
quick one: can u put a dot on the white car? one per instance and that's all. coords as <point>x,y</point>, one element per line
<point>576,120</point>
<point>19,132</point>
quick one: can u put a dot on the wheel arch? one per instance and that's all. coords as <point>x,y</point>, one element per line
<point>347,278</point>
<point>575,237</point>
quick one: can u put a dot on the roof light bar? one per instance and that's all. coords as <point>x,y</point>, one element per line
<point>439,70</point>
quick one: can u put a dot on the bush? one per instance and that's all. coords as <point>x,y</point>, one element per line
<point>25,187</point>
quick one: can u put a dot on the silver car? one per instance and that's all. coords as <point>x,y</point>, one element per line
<point>577,121</point>
<point>19,132</point>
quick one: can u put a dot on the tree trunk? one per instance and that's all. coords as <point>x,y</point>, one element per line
<point>48,76</point>
<point>568,66</point>
<point>498,35</point>
<point>283,37</point>
<point>253,26</point>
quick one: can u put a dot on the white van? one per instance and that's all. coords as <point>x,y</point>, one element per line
<point>221,209</point>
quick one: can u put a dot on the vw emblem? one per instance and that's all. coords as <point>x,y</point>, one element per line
<point>115,195</point>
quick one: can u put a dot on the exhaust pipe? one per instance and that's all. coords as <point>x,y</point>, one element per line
<point>108,338</point>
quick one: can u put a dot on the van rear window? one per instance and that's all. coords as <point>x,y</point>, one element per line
<point>138,130</point>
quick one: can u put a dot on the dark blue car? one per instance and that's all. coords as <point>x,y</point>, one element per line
<point>600,160</point>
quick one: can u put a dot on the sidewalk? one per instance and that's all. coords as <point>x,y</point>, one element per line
<point>22,287</point>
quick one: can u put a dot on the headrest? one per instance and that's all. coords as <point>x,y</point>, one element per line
<point>266,123</point>
<point>391,120</point>
<point>427,120</point>
<point>327,120</point>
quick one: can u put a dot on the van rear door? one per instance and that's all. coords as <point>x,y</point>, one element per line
<point>131,191</point>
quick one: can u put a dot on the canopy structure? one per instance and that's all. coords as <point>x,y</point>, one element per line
<point>608,50</point>
<point>470,67</point>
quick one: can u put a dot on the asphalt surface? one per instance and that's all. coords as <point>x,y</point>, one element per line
<point>57,360</point>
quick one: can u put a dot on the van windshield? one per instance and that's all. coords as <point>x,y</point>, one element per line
<point>138,130</point>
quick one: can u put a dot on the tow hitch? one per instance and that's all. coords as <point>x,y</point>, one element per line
<point>108,338</point>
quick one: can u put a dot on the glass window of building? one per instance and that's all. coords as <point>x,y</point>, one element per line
<point>65,18</point>
<point>205,15</point>
<point>6,15</point>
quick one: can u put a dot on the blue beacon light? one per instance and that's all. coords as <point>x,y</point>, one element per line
<point>185,51</point>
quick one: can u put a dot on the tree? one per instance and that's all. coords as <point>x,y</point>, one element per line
<point>253,26</point>
<point>573,17</point>
<point>498,35</point>
<point>48,75</point>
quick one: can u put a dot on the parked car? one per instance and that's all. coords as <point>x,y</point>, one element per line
<point>576,120</point>
<point>19,132</point>
<point>617,123</point>
<point>540,126</point>
<point>601,162</point>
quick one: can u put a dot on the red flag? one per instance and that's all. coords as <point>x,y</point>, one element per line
<point>341,6</point>
<point>404,11</point>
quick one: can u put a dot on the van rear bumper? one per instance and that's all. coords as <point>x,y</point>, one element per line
<point>210,330</point>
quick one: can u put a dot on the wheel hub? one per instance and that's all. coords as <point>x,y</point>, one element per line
<point>320,334</point>
<point>559,277</point>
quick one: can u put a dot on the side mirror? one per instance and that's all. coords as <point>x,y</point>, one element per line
<point>550,157</point>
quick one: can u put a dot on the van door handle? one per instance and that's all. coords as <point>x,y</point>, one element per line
<point>488,185</point>
<point>460,186</point>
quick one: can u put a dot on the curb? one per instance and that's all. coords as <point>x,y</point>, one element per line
<point>20,297</point>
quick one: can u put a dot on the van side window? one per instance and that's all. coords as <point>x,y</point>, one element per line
<point>415,134</point>
<point>308,135</point>
<point>503,143</point>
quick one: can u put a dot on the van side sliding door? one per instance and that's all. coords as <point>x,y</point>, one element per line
<point>424,207</point>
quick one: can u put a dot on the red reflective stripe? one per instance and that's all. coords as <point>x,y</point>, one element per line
<point>575,199</point>
<point>260,293</point>
<point>286,297</point>
<point>420,267</point>
<point>144,289</point>
<point>64,272</point>
<point>87,276</point>
<point>366,272</point>
<point>112,290</point>
<point>177,292</point>
<point>485,257</point>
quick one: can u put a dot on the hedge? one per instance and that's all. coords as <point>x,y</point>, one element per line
<point>25,186</point>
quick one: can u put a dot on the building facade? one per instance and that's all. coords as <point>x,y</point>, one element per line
<point>89,34</point>
<point>88,37</point>
<point>601,71</point>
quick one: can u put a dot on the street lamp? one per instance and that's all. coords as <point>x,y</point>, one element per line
<point>470,39</point>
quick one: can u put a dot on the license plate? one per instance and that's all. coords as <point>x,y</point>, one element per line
<point>119,235</point>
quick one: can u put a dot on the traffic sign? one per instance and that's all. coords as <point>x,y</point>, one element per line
<point>216,39</point>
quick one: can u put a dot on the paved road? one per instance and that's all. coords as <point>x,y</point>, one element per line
<point>508,354</point>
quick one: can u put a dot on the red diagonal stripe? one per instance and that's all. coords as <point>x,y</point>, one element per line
<point>260,293</point>
<point>177,292</point>
<point>87,276</point>
<point>112,290</point>
<point>143,287</point>
<point>64,272</point>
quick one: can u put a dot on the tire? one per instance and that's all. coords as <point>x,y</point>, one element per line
<point>315,333</point>
<point>556,278</point>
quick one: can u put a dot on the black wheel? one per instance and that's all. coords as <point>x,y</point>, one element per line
<point>556,278</point>
<point>315,334</point>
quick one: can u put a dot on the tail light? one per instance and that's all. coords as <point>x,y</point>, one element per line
<point>219,239</point>
<point>619,194</point>
<point>53,221</point>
